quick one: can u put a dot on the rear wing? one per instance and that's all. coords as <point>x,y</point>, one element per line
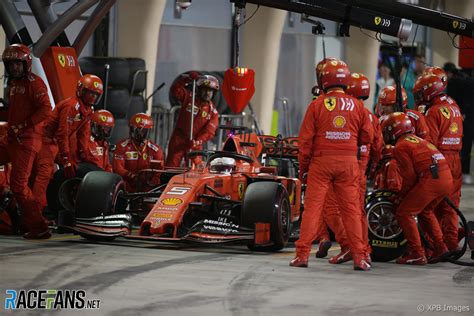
<point>278,147</point>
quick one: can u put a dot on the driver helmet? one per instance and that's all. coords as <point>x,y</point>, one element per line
<point>222,165</point>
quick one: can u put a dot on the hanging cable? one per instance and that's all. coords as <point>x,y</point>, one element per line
<point>251,16</point>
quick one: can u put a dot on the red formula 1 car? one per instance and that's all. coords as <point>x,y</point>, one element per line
<point>230,197</point>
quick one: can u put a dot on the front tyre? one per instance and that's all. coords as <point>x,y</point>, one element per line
<point>268,202</point>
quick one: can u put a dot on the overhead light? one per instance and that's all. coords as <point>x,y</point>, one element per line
<point>180,6</point>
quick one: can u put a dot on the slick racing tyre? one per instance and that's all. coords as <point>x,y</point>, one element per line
<point>268,202</point>
<point>55,196</point>
<point>385,235</point>
<point>99,194</point>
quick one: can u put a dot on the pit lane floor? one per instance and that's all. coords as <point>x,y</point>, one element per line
<point>139,278</point>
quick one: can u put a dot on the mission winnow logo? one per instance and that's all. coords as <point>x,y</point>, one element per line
<point>49,299</point>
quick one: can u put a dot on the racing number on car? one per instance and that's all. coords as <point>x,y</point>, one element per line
<point>178,190</point>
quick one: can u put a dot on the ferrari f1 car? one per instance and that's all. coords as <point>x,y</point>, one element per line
<point>230,197</point>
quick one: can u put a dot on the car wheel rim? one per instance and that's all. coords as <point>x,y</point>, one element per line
<point>382,221</point>
<point>285,217</point>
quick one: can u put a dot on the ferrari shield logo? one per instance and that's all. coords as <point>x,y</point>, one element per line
<point>377,20</point>
<point>241,190</point>
<point>62,60</point>
<point>455,24</point>
<point>145,156</point>
<point>445,112</point>
<point>412,139</point>
<point>138,119</point>
<point>330,103</point>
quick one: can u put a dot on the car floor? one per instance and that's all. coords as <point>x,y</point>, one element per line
<point>144,278</point>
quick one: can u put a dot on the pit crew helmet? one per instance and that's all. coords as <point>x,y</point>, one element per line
<point>394,126</point>
<point>388,97</point>
<point>18,52</point>
<point>140,126</point>
<point>358,86</point>
<point>427,87</point>
<point>102,124</point>
<point>334,73</point>
<point>439,72</point>
<point>208,81</point>
<point>89,89</point>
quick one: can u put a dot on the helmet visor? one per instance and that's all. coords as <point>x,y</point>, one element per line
<point>91,97</point>
<point>139,134</point>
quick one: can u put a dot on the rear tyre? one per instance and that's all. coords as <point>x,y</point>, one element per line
<point>268,202</point>
<point>385,235</point>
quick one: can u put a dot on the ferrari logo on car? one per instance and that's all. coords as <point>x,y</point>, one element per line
<point>455,24</point>
<point>445,112</point>
<point>377,20</point>
<point>241,190</point>
<point>171,201</point>
<point>62,60</point>
<point>330,103</point>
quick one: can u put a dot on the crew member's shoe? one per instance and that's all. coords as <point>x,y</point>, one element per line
<point>368,258</point>
<point>361,265</point>
<point>412,258</point>
<point>344,256</point>
<point>41,235</point>
<point>439,254</point>
<point>299,262</point>
<point>323,248</point>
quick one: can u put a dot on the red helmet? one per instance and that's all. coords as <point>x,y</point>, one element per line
<point>395,125</point>
<point>102,124</point>
<point>140,126</point>
<point>358,86</point>
<point>208,81</point>
<point>18,52</point>
<point>388,96</point>
<point>439,72</point>
<point>319,68</point>
<point>426,87</point>
<point>334,73</point>
<point>90,89</point>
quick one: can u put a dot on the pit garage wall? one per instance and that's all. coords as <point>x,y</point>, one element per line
<point>199,40</point>
<point>138,25</point>
<point>300,51</point>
